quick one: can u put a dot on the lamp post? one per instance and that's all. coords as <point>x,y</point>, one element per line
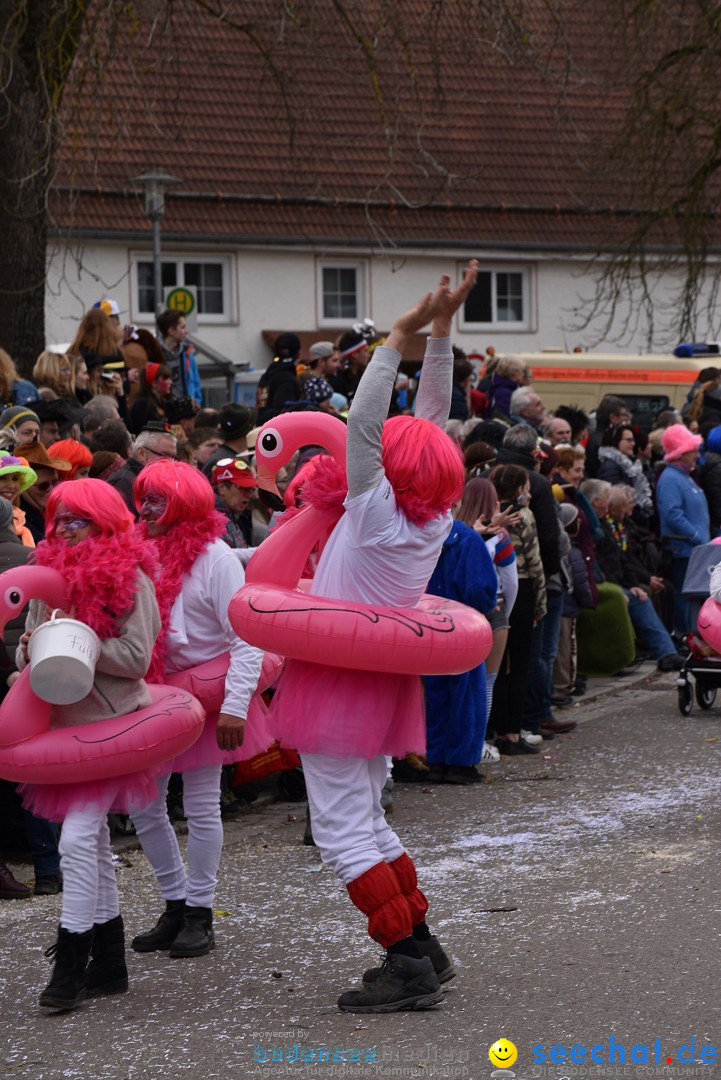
<point>154,184</point>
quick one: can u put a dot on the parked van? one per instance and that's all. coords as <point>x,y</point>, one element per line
<point>649,384</point>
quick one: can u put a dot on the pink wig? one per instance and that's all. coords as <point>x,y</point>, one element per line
<point>189,494</point>
<point>91,499</point>
<point>424,467</point>
<point>73,451</point>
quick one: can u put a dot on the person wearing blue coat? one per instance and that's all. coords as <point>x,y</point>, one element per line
<point>456,711</point>
<point>682,511</point>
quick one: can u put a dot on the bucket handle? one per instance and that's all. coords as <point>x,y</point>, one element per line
<point>54,614</point>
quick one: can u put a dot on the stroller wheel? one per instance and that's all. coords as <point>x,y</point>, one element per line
<point>685,699</point>
<point>705,694</point>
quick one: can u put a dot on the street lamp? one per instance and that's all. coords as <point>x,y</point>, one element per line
<point>154,184</point>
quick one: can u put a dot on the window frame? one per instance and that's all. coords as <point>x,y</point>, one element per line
<point>500,325</point>
<point>228,315</point>
<point>362,312</point>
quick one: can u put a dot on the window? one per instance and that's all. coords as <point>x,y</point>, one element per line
<point>210,277</point>
<point>500,300</point>
<point>341,291</point>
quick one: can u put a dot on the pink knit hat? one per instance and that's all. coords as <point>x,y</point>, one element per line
<point>678,440</point>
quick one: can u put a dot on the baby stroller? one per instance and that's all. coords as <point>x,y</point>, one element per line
<point>702,663</point>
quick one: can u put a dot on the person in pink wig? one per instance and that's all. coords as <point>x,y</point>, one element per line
<point>198,577</point>
<point>404,474</point>
<point>90,540</point>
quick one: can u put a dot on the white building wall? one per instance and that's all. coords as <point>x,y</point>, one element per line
<point>280,290</point>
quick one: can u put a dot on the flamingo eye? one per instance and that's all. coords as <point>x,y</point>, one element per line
<point>271,443</point>
<point>13,597</point>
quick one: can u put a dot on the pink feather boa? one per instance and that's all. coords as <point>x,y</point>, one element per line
<point>102,575</point>
<point>176,551</point>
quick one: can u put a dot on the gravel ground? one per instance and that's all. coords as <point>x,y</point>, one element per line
<point>578,892</point>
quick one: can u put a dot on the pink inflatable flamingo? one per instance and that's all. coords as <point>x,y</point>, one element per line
<point>439,637</point>
<point>709,624</point>
<point>32,752</point>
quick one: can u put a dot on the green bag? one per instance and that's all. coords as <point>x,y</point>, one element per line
<point>606,641</point>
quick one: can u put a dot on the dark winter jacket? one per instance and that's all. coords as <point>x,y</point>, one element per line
<point>543,507</point>
<point>500,395</point>
<point>580,596</point>
<point>123,481</point>
<point>709,479</point>
<point>459,404</point>
<point>278,385</point>
<point>615,566</point>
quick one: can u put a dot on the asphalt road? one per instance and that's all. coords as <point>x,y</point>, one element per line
<point>578,893</point>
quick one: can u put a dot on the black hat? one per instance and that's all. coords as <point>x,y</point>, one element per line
<point>286,348</point>
<point>235,421</point>
<point>62,411</point>
<point>92,360</point>
<point>180,409</point>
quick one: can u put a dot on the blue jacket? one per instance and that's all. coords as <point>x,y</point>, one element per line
<point>24,391</point>
<point>682,511</point>
<point>184,368</point>
<point>456,704</point>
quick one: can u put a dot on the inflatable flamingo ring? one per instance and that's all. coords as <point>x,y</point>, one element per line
<point>439,637</point>
<point>32,752</point>
<point>709,624</point>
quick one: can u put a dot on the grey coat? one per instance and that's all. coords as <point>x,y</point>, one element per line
<point>124,660</point>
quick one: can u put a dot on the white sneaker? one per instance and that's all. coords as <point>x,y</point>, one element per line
<point>530,738</point>
<point>490,753</point>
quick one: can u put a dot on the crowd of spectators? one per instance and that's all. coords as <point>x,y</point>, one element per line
<point>572,536</point>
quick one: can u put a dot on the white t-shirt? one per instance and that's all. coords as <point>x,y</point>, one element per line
<point>200,629</point>
<point>375,555</point>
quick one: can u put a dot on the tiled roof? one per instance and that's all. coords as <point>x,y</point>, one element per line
<point>454,142</point>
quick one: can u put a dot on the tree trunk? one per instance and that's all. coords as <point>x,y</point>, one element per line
<point>36,53</point>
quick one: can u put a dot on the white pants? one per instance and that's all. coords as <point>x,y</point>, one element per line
<point>201,802</point>
<point>90,891</point>
<point>349,826</point>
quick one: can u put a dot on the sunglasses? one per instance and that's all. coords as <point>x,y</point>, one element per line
<point>169,457</point>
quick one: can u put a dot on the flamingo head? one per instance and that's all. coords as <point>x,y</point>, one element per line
<point>281,437</point>
<point>21,584</point>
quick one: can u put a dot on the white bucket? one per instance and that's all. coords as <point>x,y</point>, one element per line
<point>63,654</point>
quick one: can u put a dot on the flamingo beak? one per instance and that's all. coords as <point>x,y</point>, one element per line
<point>266,479</point>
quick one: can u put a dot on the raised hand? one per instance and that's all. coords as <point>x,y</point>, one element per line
<point>446,301</point>
<point>418,316</point>
<point>438,307</point>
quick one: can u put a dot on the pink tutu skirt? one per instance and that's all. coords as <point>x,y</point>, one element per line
<point>120,794</point>
<point>205,751</point>
<point>328,710</point>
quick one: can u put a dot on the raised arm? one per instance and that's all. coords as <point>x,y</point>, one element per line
<point>368,413</point>
<point>433,400</point>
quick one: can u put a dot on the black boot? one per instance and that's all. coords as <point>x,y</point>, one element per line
<point>107,973</point>
<point>66,988</point>
<point>165,930</point>
<point>196,938</point>
<point>308,834</point>
<point>403,983</point>
<point>432,948</point>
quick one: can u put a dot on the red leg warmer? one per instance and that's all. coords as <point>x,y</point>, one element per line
<point>378,895</point>
<point>405,871</point>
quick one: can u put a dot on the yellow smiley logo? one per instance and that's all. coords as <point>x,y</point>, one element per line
<point>502,1054</point>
